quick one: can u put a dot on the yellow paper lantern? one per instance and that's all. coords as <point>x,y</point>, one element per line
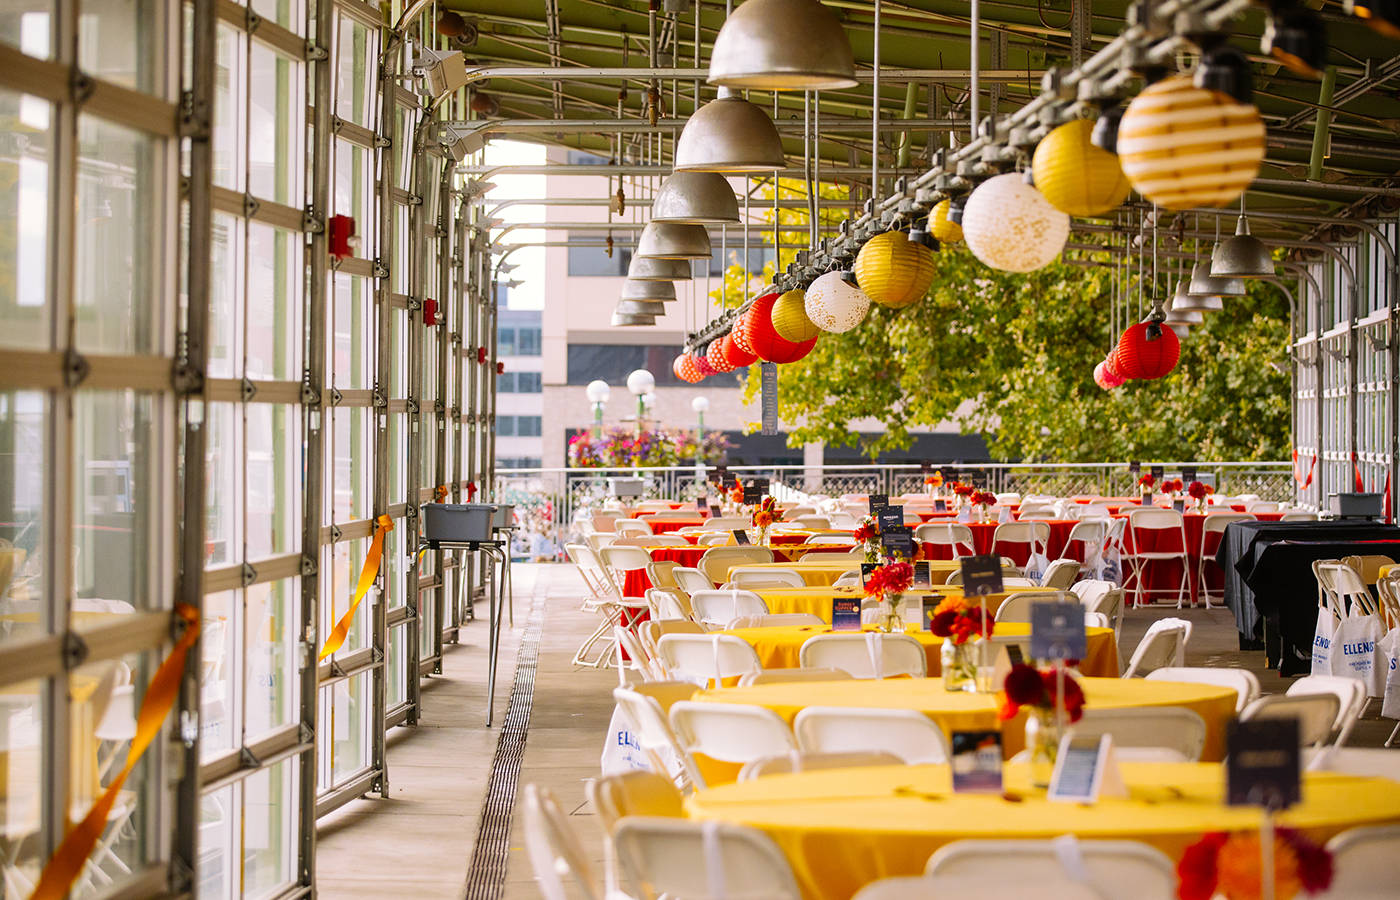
<point>790,318</point>
<point>894,271</point>
<point>946,231</point>
<point>1075,176</point>
<point>1183,146</point>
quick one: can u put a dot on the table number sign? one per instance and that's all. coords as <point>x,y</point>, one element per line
<point>768,396</point>
<point>1135,468</point>
<point>897,540</point>
<point>888,517</point>
<point>700,504</point>
<point>1263,767</point>
<point>1085,769</point>
<point>714,511</point>
<point>866,569</point>
<point>982,575</point>
<point>845,614</point>
<point>879,501</point>
<point>922,576</point>
<point>755,491</point>
<point>1158,472</point>
<point>1179,505</point>
<point>1188,474</point>
<point>741,537</point>
<point>926,468</point>
<point>976,762</point>
<point>1057,631</point>
<point>940,505</point>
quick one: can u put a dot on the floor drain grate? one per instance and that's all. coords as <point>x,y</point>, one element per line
<point>486,874</point>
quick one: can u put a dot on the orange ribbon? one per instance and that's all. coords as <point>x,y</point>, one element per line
<point>384,525</point>
<point>67,861</point>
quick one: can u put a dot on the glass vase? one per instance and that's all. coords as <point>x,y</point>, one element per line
<point>959,666</point>
<point>891,615</point>
<point>1043,744</point>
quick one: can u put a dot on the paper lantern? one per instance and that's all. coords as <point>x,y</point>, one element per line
<point>794,351</point>
<point>1183,146</point>
<point>1009,226</point>
<point>790,318</point>
<point>703,364</point>
<point>894,271</point>
<point>686,369</point>
<point>734,354</point>
<point>1105,377</point>
<point>766,342</point>
<point>741,333</point>
<point>1076,177</point>
<point>834,304</point>
<point>714,355</point>
<point>946,231</point>
<point>1139,357</point>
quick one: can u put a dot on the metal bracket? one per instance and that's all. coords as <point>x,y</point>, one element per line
<point>381,270</point>
<point>184,378</point>
<point>335,534</point>
<point>414,303</point>
<point>315,52</point>
<point>309,395</point>
<point>336,397</point>
<point>80,87</point>
<point>192,118</point>
<point>75,368</point>
<point>382,142</point>
<point>247,574</point>
<point>380,401</point>
<point>253,22</point>
<point>411,512</point>
<point>305,734</point>
<point>181,876</point>
<point>247,390</point>
<point>412,405</point>
<point>376,655</point>
<point>308,566</point>
<point>250,206</point>
<point>248,758</point>
<point>75,650</point>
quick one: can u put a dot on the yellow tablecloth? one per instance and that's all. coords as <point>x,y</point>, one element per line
<point>841,829</point>
<point>821,573</point>
<point>817,600</point>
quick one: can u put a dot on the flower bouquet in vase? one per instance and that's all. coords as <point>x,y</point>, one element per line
<point>1054,700</point>
<point>933,483</point>
<point>763,518</point>
<point>963,493</point>
<point>1145,484</point>
<point>1198,491</point>
<point>1232,866</point>
<point>734,498</point>
<point>867,534</point>
<point>983,501</point>
<point>963,622</point>
<point>1174,488</point>
<point>887,585</point>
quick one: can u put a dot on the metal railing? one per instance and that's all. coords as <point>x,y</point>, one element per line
<point>548,502</point>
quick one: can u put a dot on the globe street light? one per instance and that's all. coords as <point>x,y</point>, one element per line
<point>640,382</point>
<point>598,392</point>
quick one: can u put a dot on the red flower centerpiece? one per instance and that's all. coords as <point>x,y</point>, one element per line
<point>983,501</point>
<point>1038,690</point>
<point>958,620</point>
<point>764,516</point>
<point>1197,491</point>
<point>867,534</point>
<point>886,585</point>
<point>932,482</point>
<point>1231,865</point>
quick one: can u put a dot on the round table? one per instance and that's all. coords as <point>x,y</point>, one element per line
<point>816,600</point>
<point>843,828</point>
<point>1019,553</point>
<point>779,647</point>
<point>817,572</point>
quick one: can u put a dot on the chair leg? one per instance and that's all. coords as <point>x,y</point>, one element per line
<point>581,655</point>
<point>1183,591</point>
<point>1390,740</point>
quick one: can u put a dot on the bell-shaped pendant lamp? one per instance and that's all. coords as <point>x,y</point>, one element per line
<point>640,308</point>
<point>1180,329</point>
<point>622,320</point>
<point>660,291</point>
<point>1242,256</point>
<point>668,240</point>
<point>1381,16</point>
<point>1179,316</point>
<point>782,45</point>
<point>729,134</point>
<point>650,268</point>
<point>696,198</point>
<point>1204,285</point>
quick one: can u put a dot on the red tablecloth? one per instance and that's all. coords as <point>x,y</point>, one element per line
<point>1162,577</point>
<point>638,513</point>
<point>667,525</point>
<point>1020,553</point>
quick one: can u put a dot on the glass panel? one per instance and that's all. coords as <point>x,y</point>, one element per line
<point>274,303</point>
<point>395,567</point>
<point>273,459</point>
<point>350,462</point>
<point>121,41</point>
<point>269,829</point>
<point>352,357</point>
<point>398,457</point>
<point>345,561</point>
<point>218,825</point>
<point>219,678</point>
<point>271,698</point>
<point>22,781</point>
<point>25,310</point>
<point>26,24</point>
<point>23,468</point>
<point>344,730</point>
<point>113,490</point>
<point>395,686</point>
<point>276,111</point>
<point>287,13</point>
<point>223,539</point>
<point>115,268</point>
<point>225,289</point>
<point>354,75</point>
<point>229,86</point>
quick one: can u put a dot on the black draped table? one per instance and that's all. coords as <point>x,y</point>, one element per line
<point>1269,585</point>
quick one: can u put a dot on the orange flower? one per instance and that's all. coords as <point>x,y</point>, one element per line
<point>1238,868</point>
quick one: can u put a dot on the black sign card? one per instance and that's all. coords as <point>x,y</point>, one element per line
<point>926,467</point>
<point>714,511</point>
<point>1179,505</point>
<point>1158,472</point>
<point>754,495</point>
<point>700,503</point>
<point>1135,467</point>
<point>1188,474</point>
<point>865,571</point>
<point>922,576</point>
<point>898,541</point>
<point>741,537</point>
<point>877,501</point>
<point>1057,631</point>
<point>981,575</point>
<point>889,517</point>
<point>845,614</point>
<point>940,505</point>
<point>1263,765</point>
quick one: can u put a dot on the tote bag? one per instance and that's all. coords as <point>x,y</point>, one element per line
<point>1322,640</point>
<point>1390,655</point>
<point>1356,649</point>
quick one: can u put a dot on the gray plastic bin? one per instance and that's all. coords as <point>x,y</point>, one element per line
<point>457,523</point>
<point>505,515</point>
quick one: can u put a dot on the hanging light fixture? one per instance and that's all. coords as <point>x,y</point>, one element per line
<point>651,268</point>
<point>1381,16</point>
<point>1182,316</point>
<point>942,224</point>
<point>1206,290</point>
<point>1225,69</point>
<point>640,308</point>
<point>835,303</point>
<point>668,240</point>
<point>696,198</point>
<point>1242,256</point>
<point>1296,37</point>
<point>1180,329</point>
<point>782,45</point>
<point>1010,226</point>
<point>1077,177</point>
<point>729,134</point>
<point>1105,134</point>
<point>621,320</point>
<point>647,290</point>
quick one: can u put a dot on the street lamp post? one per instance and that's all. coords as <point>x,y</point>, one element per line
<point>598,392</point>
<point>700,404</point>
<point>641,383</point>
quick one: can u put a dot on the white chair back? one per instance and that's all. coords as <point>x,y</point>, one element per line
<point>626,527</point>
<point>1363,864</point>
<point>554,848</point>
<point>1179,732</point>
<point>831,539</point>
<point>706,659</point>
<point>947,534</point>
<point>1060,575</point>
<point>1163,645</point>
<point>644,706</point>
<point>803,761</point>
<point>1017,607</point>
<point>756,576</point>
<point>599,539</point>
<point>784,676</point>
<point>1060,868</point>
<point>813,521</point>
<point>777,620</point>
<point>1316,714</point>
<point>866,655</point>
<point>730,732</point>
<point>907,733</point>
<point>717,561</point>
<point>702,860</point>
<point>1036,534</point>
<point>713,539</point>
<point>1350,694</point>
<point>652,630</point>
<point>691,580</point>
<point>1244,682</point>
<point>717,608</point>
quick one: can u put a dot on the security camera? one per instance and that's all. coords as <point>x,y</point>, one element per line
<point>442,72</point>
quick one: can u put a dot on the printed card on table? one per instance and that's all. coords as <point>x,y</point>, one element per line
<point>845,614</point>
<point>1057,631</point>
<point>898,541</point>
<point>930,603</point>
<point>976,762</point>
<point>865,571</point>
<point>981,575</point>
<point>1263,765</point>
<point>922,576</point>
<point>879,501</point>
<point>741,537</point>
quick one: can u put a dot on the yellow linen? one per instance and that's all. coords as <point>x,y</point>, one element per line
<point>818,572</point>
<point>841,829</point>
<point>817,600</point>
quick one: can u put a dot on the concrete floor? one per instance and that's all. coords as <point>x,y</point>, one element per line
<point>418,843</point>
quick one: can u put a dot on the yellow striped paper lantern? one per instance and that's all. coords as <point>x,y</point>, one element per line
<point>946,231</point>
<point>1183,146</point>
<point>1075,176</point>
<point>790,318</point>
<point>893,270</point>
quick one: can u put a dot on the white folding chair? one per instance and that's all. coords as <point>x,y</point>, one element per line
<point>1262,506</point>
<point>815,522</point>
<point>651,631</point>
<point>554,849</point>
<point>599,539</point>
<point>1060,869</point>
<point>1298,515</point>
<point>1243,681</point>
<point>1017,607</point>
<point>1092,533</point>
<point>1350,694</point>
<point>717,608</point>
<point>1008,498</point>
<point>706,860</point>
<point>954,535</point>
<point>784,676</point>
<point>717,561</point>
<point>645,708</point>
<point>865,655</point>
<point>1212,531</point>
<point>706,658</point>
<point>804,761</point>
<point>1096,620</point>
<point>1109,602</point>
<point>730,732</point>
<point>661,540</point>
<point>638,659</point>
<point>758,576</point>
<point>1036,535</point>
<point>601,522</point>
<point>629,527</point>
<point>1345,588</point>
<point>907,733</point>
<point>777,620</point>
<point>1148,734</point>
<point>1316,714</point>
<point>903,887</point>
<point>691,580</point>
<point>831,540</point>
<point>1141,524</point>
<point>1363,864</point>
<point>713,539</point>
<point>1060,575</point>
<point>1164,644</point>
<point>667,603</point>
<point>575,553</point>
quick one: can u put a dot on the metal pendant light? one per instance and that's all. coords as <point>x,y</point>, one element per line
<point>1180,316</point>
<point>668,240</point>
<point>782,45</point>
<point>1242,256</point>
<point>650,268</point>
<point>729,134</point>
<point>622,320</point>
<point>1205,286</point>
<point>1180,329</point>
<point>648,290</point>
<point>696,198</point>
<point>640,308</point>
<point>1297,37</point>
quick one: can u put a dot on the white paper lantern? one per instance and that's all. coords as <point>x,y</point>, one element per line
<point>834,304</point>
<point>1009,226</point>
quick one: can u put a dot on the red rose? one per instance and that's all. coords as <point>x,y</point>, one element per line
<point>1023,685</point>
<point>1074,694</point>
<point>1314,862</point>
<point>1197,870</point>
<point>942,624</point>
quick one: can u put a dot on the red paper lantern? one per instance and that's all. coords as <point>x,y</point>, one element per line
<point>797,351</point>
<point>741,336</point>
<point>1105,377</point>
<point>685,369</point>
<point>702,364</point>
<point>765,340</point>
<point>734,354</point>
<point>714,354</point>
<point>1147,351</point>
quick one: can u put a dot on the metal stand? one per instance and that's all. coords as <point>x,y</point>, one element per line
<point>509,534</point>
<point>494,550</point>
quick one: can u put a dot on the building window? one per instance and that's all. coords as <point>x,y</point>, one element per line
<point>523,341</point>
<point>592,258</point>
<point>519,383</point>
<point>518,426</point>
<point>612,363</point>
<point>519,462</point>
<point>720,257</point>
<point>583,158</point>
